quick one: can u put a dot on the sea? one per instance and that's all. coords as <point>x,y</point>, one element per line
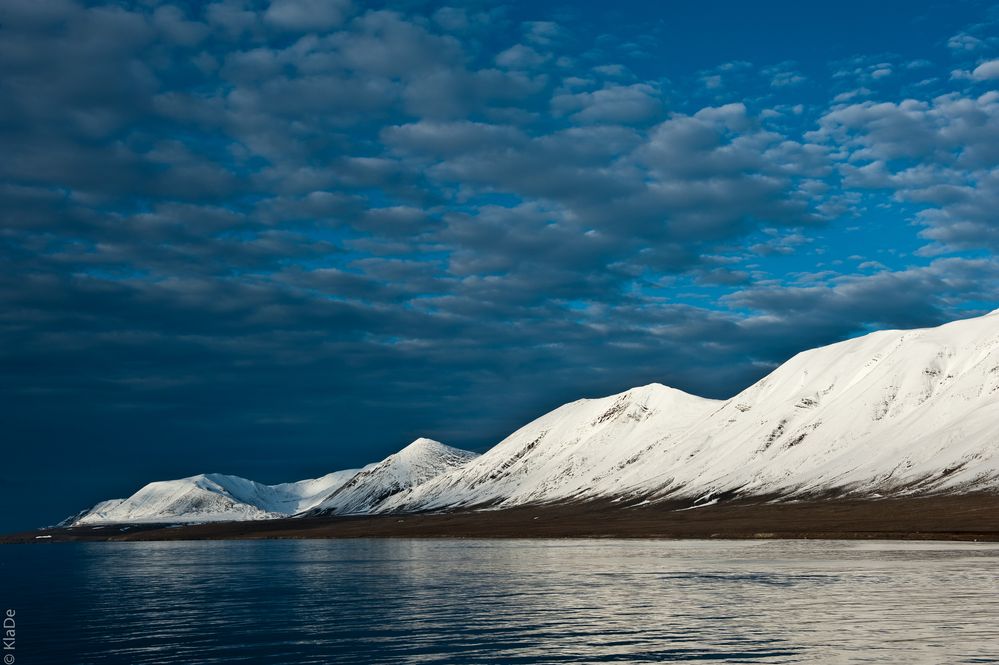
<point>501,601</point>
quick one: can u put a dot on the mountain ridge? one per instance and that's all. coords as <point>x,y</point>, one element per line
<point>892,412</point>
<point>417,463</point>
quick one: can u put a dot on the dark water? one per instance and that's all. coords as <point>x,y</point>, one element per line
<point>431,601</point>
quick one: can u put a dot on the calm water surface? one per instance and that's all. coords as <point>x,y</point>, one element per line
<point>536,601</point>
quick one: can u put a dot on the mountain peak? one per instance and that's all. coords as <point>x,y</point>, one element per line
<point>420,461</point>
<point>655,388</point>
<point>425,451</point>
<point>661,395</point>
<point>423,443</point>
<point>421,448</point>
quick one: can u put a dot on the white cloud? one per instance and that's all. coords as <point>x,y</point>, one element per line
<point>987,70</point>
<point>941,154</point>
<point>616,103</point>
<point>520,57</point>
<point>964,42</point>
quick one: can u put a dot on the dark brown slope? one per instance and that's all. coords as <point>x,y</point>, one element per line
<point>969,517</point>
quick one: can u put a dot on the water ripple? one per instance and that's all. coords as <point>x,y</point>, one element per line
<point>466,602</point>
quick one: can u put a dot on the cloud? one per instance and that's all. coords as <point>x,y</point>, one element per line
<point>964,42</point>
<point>544,33</point>
<point>307,15</point>
<point>784,75</point>
<point>520,56</point>
<point>717,78</point>
<point>177,28</point>
<point>846,304</point>
<point>986,71</point>
<point>783,79</point>
<point>612,104</point>
<point>939,154</point>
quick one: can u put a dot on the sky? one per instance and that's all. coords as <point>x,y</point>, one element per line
<point>281,239</point>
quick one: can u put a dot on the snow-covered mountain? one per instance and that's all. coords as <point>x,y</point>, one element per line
<point>892,412</point>
<point>419,462</point>
<point>580,450</point>
<point>912,411</point>
<point>214,497</point>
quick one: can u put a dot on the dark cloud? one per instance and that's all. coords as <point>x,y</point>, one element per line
<point>306,15</point>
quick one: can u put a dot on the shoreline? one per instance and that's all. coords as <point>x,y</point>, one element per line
<point>949,518</point>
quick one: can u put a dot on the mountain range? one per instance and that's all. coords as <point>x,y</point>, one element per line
<point>891,413</point>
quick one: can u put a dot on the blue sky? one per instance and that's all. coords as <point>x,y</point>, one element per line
<point>278,239</point>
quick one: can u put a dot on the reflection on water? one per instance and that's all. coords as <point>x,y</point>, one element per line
<point>558,601</point>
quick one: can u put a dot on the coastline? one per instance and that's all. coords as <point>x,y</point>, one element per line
<point>951,518</point>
